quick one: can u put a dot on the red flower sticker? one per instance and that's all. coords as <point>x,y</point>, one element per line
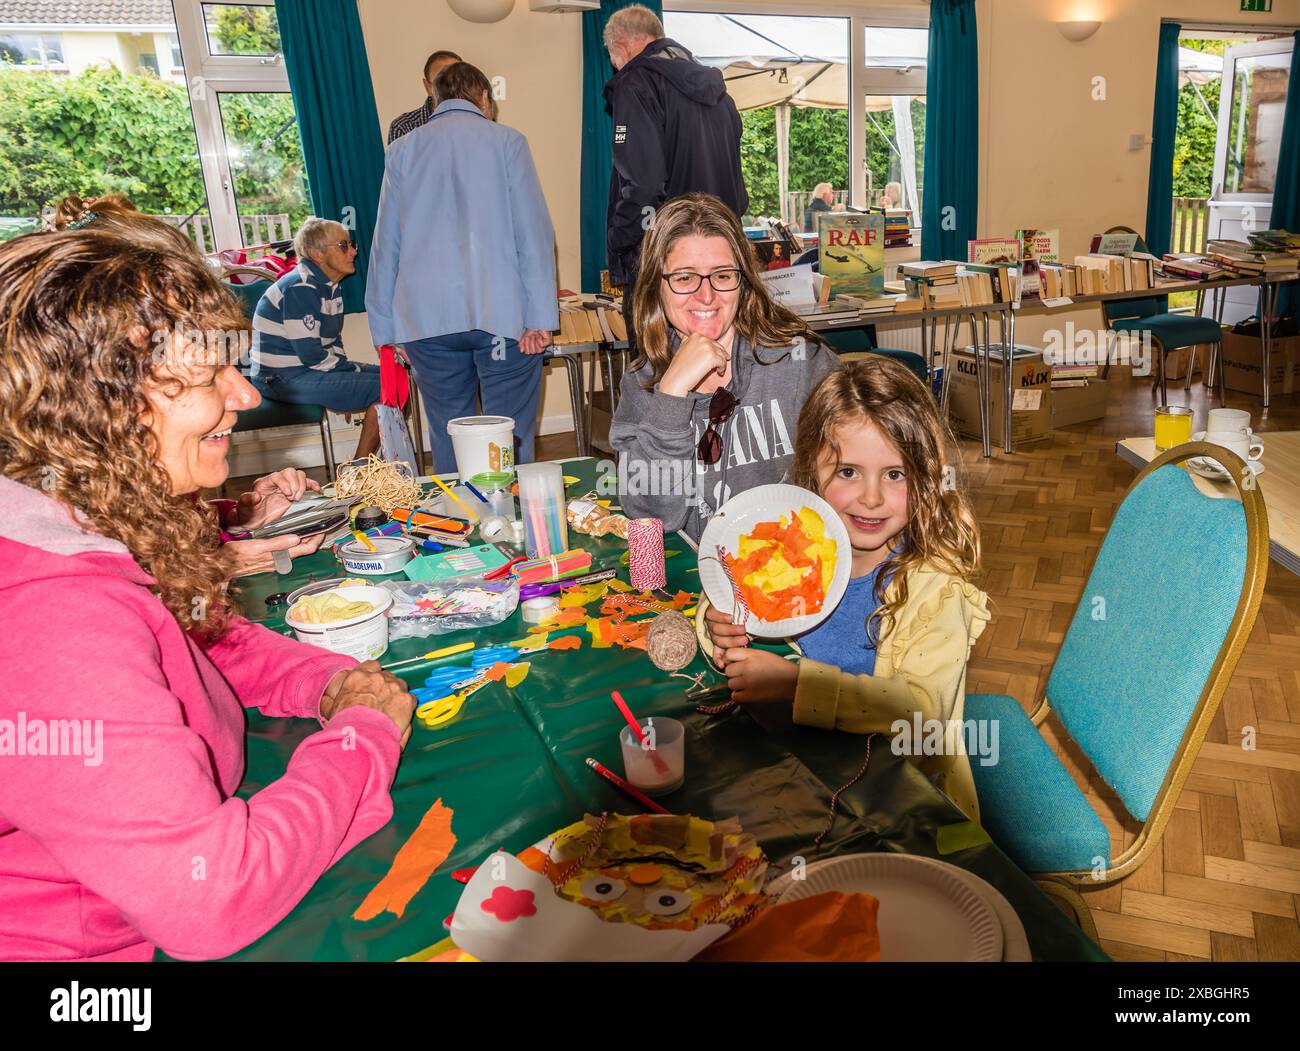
<point>506,904</point>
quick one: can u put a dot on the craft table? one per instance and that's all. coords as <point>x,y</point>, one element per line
<point>511,768</point>
<point>1279,483</point>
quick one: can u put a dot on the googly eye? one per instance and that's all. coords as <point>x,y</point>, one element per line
<point>666,902</point>
<point>602,888</point>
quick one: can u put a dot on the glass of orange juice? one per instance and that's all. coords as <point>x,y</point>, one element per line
<point>1173,426</point>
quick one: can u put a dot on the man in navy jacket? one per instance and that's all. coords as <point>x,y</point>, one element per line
<point>676,131</point>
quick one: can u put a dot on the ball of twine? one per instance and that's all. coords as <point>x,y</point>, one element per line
<point>671,641</point>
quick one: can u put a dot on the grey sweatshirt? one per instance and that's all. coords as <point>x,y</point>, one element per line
<point>656,435</point>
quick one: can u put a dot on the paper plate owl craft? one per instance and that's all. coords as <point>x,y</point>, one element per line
<point>610,888</point>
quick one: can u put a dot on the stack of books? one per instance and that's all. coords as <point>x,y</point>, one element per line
<point>1188,266</point>
<point>1240,259</point>
<point>1072,375</point>
<point>933,283</point>
<point>898,228</point>
<point>591,319</point>
<point>1276,241</point>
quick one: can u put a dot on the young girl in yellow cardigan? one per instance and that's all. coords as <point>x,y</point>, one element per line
<point>871,443</point>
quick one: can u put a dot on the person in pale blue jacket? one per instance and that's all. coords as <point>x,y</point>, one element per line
<point>462,271</point>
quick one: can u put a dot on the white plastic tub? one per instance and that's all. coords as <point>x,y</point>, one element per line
<point>364,637</point>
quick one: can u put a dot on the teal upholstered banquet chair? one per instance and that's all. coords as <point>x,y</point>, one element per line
<point>1158,630</point>
<point>1168,331</point>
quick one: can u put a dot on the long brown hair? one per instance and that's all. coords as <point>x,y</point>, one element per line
<point>941,530</point>
<point>764,323</point>
<point>77,310</point>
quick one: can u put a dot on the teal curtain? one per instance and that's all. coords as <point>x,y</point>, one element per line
<point>1286,187</point>
<point>951,193</point>
<point>1164,127</point>
<point>329,76</point>
<point>597,136</point>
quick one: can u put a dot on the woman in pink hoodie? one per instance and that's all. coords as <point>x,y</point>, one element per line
<point>121,724</point>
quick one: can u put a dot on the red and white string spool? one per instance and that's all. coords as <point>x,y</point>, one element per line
<point>645,553</point>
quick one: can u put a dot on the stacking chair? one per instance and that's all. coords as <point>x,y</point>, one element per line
<point>855,344</point>
<point>1168,331</point>
<point>271,414</point>
<point>1157,633</point>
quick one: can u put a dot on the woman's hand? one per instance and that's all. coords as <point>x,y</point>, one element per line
<point>756,676</point>
<point>695,359</point>
<point>369,686</point>
<point>270,497</point>
<point>258,556</point>
<point>724,635</point>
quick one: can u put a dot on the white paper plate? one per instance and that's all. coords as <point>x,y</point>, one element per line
<point>929,910</point>
<point>1015,943</point>
<point>740,514</point>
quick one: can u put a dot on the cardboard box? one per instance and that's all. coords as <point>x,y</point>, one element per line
<point>1031,412</point>
<point>1176,362</point>
<point>1243,367</point>
<point>1071,405</point>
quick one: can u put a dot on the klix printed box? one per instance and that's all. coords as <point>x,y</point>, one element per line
<point>1031,404</point>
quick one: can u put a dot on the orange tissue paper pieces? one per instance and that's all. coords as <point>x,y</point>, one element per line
<point>417,859</point>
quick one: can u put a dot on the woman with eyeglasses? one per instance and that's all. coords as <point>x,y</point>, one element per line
<point>710,405</point>
<point>298,333</point>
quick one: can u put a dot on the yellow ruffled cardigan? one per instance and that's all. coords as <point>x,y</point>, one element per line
<point>920,667</point>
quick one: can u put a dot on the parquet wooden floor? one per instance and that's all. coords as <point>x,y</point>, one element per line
<point>1224,883</point>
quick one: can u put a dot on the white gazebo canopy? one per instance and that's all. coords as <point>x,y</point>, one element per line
<point>785,61</point>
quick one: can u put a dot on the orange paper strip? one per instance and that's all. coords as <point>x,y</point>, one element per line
<point>417,859</point>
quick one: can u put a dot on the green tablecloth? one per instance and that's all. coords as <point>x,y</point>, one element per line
<point>511,768</point>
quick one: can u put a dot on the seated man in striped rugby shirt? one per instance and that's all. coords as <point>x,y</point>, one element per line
<point>297,351</point>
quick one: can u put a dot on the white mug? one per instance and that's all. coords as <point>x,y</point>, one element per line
<point>1238,443</point>
<point>1223,421</point>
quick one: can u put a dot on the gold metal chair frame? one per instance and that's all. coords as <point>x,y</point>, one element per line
<point>1234,642</point>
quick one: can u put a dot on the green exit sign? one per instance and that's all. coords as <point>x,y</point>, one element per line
<point>1257,5</point>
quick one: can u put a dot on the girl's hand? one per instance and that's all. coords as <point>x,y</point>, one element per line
<point>369,686</point>
<point>724,635</point>
<point>270,497</point>
<point>695,359</point>
<point>756,676</point>
<point>247,557</point>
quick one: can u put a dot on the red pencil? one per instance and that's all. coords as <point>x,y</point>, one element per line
<point>618,782</point>
<point>660,765</point>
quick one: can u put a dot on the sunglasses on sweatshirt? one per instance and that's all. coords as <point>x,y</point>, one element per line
<point>721,407</point>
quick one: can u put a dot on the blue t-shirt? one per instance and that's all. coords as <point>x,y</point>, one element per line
<point>841,639</point>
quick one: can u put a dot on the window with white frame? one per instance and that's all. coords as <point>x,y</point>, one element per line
<point>892,87</point>
<point>867,102</point>
<point>204,133</point>
<point>31,50</point>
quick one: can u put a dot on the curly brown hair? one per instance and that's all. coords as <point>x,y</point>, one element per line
<point>941,530</point>
<point>76,361</point>
<point>763,322</point>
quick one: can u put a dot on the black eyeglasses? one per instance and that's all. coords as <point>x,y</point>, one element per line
<point>721,406</point>
<point>685,282</point>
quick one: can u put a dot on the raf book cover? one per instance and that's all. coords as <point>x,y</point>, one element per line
<point>851,251</point>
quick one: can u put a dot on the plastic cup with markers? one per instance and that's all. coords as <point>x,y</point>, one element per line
<point>656,764</point>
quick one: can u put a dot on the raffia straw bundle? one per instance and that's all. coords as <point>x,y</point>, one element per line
<point>381,483</point>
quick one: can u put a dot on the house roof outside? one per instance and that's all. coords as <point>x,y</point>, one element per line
<point>123,13</point>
